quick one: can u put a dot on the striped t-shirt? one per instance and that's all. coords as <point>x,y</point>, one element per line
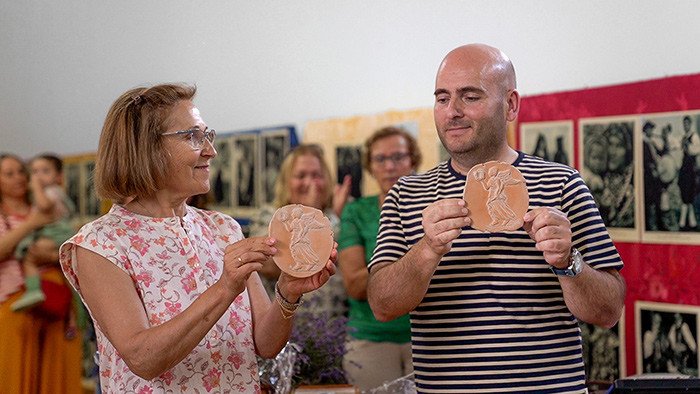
<point>494,318</point>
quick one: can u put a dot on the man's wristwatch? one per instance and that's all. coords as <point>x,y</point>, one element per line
<point>575,265</point>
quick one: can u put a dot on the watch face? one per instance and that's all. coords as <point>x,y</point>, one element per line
<point>576,261</point>
<point>574,268</point>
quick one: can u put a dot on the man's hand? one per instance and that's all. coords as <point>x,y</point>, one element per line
<point>442,223</point>
<point>551,231</point>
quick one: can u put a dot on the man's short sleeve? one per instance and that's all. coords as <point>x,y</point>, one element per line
<point>391,242</point>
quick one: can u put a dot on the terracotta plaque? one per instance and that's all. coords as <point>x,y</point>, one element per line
<point>304,239</point>
<point>496,196</point>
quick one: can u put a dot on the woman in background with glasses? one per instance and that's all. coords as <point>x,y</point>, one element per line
<point>173,290</point>
<point>377,352</point>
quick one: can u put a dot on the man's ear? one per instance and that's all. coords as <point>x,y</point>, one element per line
<point>513,102</point>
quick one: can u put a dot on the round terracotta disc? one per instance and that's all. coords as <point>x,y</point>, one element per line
<point>304,239</point>
<point>496,196</point>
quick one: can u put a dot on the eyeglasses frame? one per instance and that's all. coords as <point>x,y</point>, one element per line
<point>395,158</point>
<point>205,136</point>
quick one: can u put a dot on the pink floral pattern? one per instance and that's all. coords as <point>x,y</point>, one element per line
<point>172,262</point>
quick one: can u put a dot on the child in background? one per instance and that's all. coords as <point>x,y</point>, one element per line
<point>49,196</point>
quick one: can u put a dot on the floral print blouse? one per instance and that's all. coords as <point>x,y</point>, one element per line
<point>172,261</point>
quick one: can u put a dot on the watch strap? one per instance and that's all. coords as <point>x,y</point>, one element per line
<point>575,265</point>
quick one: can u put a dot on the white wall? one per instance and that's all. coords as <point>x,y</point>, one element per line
<point>265,63</point>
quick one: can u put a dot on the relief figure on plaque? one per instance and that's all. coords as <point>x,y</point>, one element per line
<point>497,202</point>
<point>299,225</point>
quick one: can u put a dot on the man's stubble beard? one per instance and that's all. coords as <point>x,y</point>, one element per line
<point>479,147</point>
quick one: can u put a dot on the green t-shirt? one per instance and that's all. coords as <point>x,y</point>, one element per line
<point>359,225</point>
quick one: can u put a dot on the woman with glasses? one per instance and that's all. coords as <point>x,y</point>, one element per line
<point>376,351</point>
<point>173,290</point>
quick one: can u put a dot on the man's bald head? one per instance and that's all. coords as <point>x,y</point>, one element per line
<point>492,62</point>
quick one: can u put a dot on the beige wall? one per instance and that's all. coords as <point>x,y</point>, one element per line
<point>354,130</point>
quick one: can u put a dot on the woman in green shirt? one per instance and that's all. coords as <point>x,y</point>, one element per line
<point>377,352</point>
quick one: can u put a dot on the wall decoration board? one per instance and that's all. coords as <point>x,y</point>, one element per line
<point>72,181</point>
<point>349,162</point>
<point>606,147</point>
<point>78,181</point>
<point>666,337</point>
<point>221,174</point>
<point>93,206</point>
<point>244,171</point>
<point>244,160</point>
<point>352,132</point>
<point>671,173</point>
<point>655,269</point>
<point>553,141</point>
<point>604,352</point>
<point>275,144</point>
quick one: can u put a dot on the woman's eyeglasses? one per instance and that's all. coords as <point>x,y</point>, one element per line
<point>395,158</point>
<point>197,136</point>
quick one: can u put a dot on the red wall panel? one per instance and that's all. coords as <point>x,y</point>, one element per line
<point>654,272</point>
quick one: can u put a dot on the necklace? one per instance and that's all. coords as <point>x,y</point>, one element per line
<point>148,211</point>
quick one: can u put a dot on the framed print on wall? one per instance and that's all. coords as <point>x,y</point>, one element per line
<point>92,202</point>
<point>71,179</point>
<point>275,145</point>
<point>670,165</point>
<point>604,351</point>
<point>221,173</point>
<point>245,173</point>
<point>667,338</point>
<point>78,173</point>
<point>349,162</point>
<point>606,164</point>
<point>553,141</point>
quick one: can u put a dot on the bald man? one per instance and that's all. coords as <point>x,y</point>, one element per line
<point>492,312</point>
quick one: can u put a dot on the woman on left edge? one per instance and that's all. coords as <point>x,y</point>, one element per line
<point>173,290</point>
<point>36,353</point>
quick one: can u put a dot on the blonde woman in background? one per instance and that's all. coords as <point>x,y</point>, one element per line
<point>304,178</point>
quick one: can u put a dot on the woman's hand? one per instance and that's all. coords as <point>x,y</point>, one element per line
<point>313,197</point>
<point>43,251</point>
<point>292,288</point>
<point>341,193</point>
<point>38,218</point>
<point>243,258</point>
<point>35,185</point>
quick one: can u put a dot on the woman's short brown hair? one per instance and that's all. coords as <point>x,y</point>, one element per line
<point>384,132</point>
<point>131,161</point>
<point>282,182</point>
